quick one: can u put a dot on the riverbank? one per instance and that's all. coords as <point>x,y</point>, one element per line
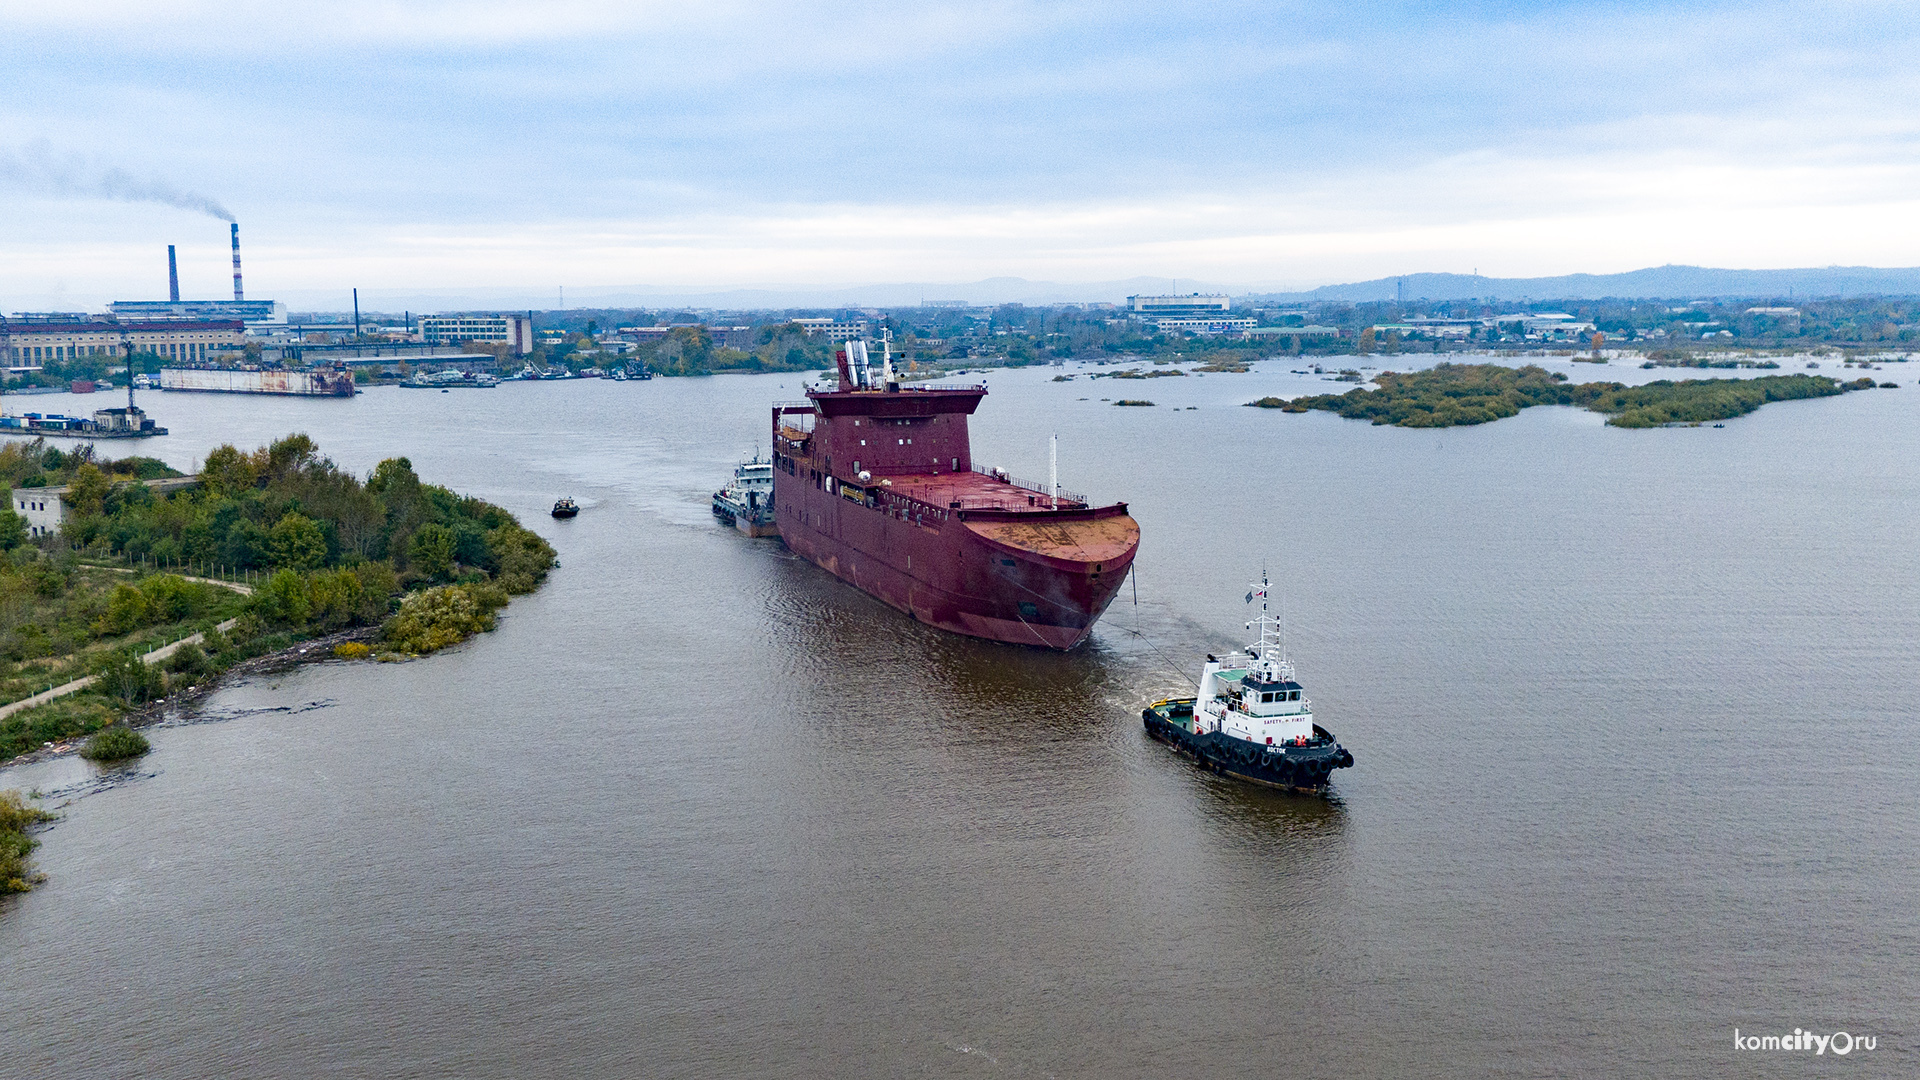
<point>181,701</point>
<point>91,648</point>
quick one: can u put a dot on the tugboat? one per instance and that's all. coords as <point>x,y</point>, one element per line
<point>1249,718</point>
<point>565,508</point>
<point>746,503</point>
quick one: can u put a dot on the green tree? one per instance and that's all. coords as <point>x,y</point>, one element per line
<point>227,471</point>
<point>290,455</point>
<point>296,542</point>
<point>87,494</point>
<point>432,548</point>
<point>282,601</point>
<point>127,610</point>
<point>13,530</point>
<point>334,598</point>
<point>127,677</point>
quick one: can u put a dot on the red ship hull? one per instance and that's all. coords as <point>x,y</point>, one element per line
<point>909,522</point>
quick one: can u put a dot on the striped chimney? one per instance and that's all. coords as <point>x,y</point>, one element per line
<point>237,294</point>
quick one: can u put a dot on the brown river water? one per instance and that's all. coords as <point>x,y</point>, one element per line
<point>1633,714</point>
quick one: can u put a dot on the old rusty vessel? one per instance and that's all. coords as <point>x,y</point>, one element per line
<point>876,484</point>
<point>333,381</point>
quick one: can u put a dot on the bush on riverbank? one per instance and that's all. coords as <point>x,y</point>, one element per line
<point>128,679</point>
<point>432,620</point>
<point>63,718</point>
<point>16,815</point>
<point>115,744</point>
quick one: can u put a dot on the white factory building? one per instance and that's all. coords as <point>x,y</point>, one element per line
<point>1192,305</point>
<point>835,330</point>
<point>512,330</point>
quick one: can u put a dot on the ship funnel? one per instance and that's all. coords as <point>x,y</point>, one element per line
<point>237,293</point>
<point>173,276</point>
<point>857,353</point>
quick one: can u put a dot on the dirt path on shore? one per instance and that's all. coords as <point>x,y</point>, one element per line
<point>154,657</point>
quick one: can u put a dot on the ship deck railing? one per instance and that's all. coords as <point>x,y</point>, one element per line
<point>906,507</point>
<point>1060,495</point>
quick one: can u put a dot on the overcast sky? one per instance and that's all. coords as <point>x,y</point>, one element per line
<point>682,145</point>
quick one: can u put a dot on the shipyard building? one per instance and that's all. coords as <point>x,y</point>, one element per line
<point>515,331</point>
<point>29,341</point>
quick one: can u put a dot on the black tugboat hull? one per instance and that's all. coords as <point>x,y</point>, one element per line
<point>1290,768</point>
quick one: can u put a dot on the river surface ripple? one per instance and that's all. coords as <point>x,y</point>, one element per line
<point>1633,715</point>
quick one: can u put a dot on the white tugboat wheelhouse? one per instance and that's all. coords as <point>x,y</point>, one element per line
<point>1256,699</point>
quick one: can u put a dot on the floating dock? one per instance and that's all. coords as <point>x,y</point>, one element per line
<point>315,382</point>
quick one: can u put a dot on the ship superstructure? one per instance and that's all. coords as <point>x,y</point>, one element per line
<point>876,483</point>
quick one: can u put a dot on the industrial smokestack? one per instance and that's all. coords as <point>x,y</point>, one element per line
<point>173,276</point>
<point>237,293</point>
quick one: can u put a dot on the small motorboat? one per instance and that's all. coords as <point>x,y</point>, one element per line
<point>565,508</point>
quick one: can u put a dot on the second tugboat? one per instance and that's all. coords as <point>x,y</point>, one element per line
<point>746,503</point>
<point>1250,718</point>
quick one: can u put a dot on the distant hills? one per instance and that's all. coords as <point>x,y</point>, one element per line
<point>1662,282</point>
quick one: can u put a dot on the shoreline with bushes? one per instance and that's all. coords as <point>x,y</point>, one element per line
<point>390,564</point>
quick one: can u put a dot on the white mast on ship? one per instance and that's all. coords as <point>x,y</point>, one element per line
<point>1270,652</point>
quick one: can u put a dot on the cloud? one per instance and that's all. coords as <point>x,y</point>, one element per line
<point>839,141</point>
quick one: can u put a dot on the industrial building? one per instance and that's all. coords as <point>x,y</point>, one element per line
<point>29,341</point>
<point>1194,313</point>
<point>515,331</point>
<point>1193,305</point>
<point>256,314</point>
<point>834,330</point>
<point>1203,325</point>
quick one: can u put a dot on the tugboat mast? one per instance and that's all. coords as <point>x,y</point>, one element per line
<point>1270,652</point>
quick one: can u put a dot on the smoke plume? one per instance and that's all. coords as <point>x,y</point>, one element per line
<point>37,169</point>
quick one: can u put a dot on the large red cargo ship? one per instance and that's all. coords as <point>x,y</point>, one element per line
<point>876,484</point>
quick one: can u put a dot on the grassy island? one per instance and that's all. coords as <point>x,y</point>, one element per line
<point>149,592</point>
<point>1448,395</point>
